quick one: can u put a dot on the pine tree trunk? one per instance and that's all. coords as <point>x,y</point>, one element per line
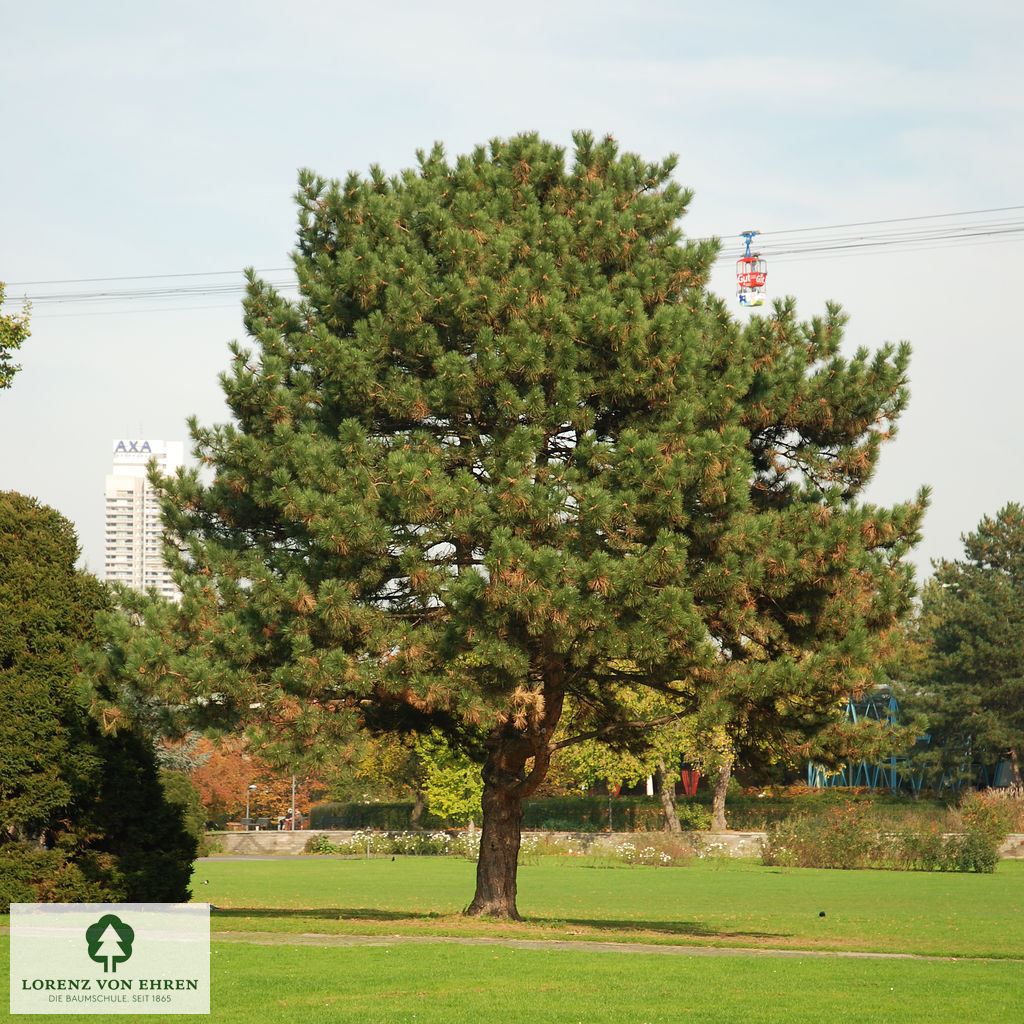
<point>499,853</point>
<point>516,764</point>
<point>668,799</point>
<point>718,822</point>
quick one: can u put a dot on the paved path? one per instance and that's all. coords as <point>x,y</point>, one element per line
<point>288,939</point>
<point>558,945</point>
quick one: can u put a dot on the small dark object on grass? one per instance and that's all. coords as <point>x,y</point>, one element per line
<point>821,913</point>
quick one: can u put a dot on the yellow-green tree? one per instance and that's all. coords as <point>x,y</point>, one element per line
<point>14,329</point>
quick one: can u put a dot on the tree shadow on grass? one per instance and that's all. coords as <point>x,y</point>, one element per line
<point>688,929</point>
<point>325,913</point>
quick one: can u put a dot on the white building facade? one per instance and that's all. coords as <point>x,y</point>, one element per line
<point>134,536</point>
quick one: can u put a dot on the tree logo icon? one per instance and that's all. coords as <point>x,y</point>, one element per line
<point>110,942</point>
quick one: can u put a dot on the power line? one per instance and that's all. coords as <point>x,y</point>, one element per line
<point>918,240</point>
<point>908,234</point>
<point>198,289</point>
<point>823,242</point>
<point>901,220</point>
<point>145,277</point>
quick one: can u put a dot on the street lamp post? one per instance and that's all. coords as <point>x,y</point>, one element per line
<point>248,793</point>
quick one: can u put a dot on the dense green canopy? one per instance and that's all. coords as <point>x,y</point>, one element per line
<point>972,632</point>
<point>506,451</point>
<point>82,815</point>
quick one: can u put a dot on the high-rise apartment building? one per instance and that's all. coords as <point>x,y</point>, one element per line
<point>134,537</point>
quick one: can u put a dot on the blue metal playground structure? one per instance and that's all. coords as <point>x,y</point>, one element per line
<point>903,773</point>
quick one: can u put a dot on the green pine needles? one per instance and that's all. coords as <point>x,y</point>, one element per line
<point>506,455</point>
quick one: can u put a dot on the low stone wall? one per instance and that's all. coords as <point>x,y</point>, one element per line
<point>1013,847</point>
<point>259,844</point>
<point>736,844</point>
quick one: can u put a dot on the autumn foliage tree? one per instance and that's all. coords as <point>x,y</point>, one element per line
<point>506,450</point>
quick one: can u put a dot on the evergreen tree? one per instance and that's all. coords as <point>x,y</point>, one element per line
<point>82,815</point>
<point>971,672</point>
<point>506,450</point>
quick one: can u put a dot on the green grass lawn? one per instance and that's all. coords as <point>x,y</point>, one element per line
<point>719,904</point>
<point>442,984</point>
<point>972,923</point>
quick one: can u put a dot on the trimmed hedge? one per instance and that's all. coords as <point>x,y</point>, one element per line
<point>396,817</point>
<point>555,814</point>
<point>591,814</point>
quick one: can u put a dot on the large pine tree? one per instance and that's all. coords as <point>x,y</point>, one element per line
<point>506,449</point>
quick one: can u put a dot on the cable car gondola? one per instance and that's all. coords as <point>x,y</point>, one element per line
<point>751,273</point>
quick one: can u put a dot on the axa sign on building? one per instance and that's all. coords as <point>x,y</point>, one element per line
<point>138,451</point>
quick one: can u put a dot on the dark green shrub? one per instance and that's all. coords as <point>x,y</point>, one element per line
<point>32,875</point>
<point>22,866</point>
<point>85,817</point>
<point>118,841</point>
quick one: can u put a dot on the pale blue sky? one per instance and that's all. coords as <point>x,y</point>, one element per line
<point>159,139</point>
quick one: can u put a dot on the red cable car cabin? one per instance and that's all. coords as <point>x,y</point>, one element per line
<point>751,274</point>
